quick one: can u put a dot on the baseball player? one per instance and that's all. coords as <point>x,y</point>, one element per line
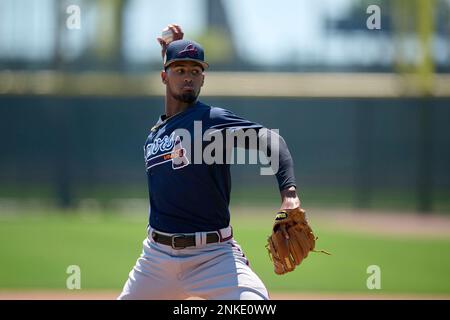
<point>190,250</point>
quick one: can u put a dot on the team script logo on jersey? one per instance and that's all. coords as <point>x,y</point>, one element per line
<point>177,153</point>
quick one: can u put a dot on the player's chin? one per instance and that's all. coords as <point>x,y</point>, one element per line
<point>187,96</point>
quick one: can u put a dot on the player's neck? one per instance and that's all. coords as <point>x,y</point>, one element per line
<point>174,106</point>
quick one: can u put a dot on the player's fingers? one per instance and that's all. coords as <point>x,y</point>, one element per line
<point>161,41</point>
<point>178,29</point>
<point>173,28</point>
<point>178,36</point>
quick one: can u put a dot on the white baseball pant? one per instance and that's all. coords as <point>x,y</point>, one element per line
<point>217,271</point>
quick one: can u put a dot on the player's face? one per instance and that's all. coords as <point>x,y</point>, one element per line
<point>184,80</point>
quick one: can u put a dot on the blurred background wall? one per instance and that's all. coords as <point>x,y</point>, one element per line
<point>364,111</point>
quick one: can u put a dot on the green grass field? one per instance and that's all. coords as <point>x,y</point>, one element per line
<point>35,252</point>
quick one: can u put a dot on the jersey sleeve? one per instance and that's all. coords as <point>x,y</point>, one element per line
<point>225,119</point>
<point>222,119</point>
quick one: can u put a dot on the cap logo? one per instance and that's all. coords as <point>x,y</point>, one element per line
<point>190,51</point>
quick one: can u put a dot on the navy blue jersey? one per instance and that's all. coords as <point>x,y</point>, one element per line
<point>187,197</point>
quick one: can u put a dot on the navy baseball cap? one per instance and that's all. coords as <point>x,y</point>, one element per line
<point>185,50</point>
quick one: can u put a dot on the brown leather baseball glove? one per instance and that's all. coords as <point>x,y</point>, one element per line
<point>285,253</point>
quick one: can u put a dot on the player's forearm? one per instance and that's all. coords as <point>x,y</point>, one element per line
<point>285,175</point>
<point>277,151</point>
<point>281,162</point>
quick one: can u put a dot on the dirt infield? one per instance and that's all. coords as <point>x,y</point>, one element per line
<point>375,222</point>
<point>110,295</point>
<point>387,223</point>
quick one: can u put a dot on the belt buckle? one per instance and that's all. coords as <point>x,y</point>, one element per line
<point>177,236</point>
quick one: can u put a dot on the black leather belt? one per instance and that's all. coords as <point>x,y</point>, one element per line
<point>181,241</point>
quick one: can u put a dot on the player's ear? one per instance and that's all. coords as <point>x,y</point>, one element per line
<point>164,76</point>
<point>203,79</point>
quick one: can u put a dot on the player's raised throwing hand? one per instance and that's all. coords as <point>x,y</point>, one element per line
<point>171,33</point>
